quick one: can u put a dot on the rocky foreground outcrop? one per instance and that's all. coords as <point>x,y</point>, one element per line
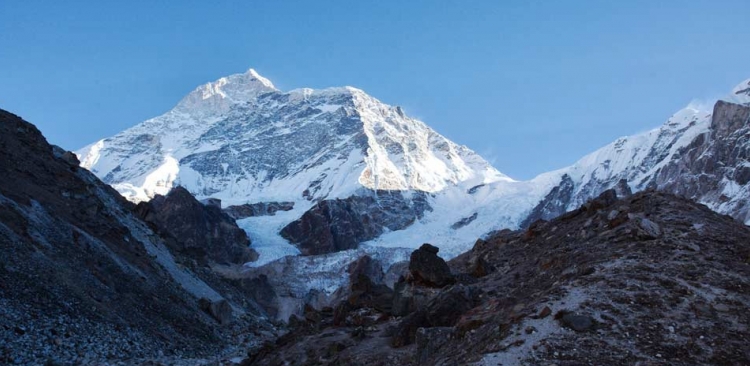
<point>84,281</point>
<point>201,231</point>
<point>650,278</point>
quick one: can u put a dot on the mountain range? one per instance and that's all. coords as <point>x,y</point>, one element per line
<point>353,171</point>
<point>271,228</point>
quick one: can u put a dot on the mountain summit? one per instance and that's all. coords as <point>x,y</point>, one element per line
<point>221,94</point>
<point>242,140</point>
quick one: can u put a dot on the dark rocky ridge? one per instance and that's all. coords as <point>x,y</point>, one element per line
<point>651,278</point>
<point>202,232</point>
<point>721,154</point>
<point>341,224</point>
<point>257,209</point>
<point>83,280</point>
<point>554,203</point>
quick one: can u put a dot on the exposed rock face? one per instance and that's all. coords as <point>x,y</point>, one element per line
<point>443,310</point>
<point>366,266</point>
<point>82,279</point>
<point>211,202</point>
<point>428,269</point>
<point>622,189</point>
<point>322,281</point>
<point>612,279</point>
<point>637,280</point>
<point>258,209</point>
<point>301,144</point>
<point>714,168</point>
<point>430,340</point>
<point>409,297</point>
<point>699,155</point>
<point>554,203</point>
<point>335,225</point>
<point>465,221</point>
<point>199,231</point>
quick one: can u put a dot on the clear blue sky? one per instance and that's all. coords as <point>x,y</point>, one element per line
<point>532,85</point>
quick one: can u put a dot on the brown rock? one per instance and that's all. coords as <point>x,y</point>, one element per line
<point>199,231</point>
<point>428,269</point>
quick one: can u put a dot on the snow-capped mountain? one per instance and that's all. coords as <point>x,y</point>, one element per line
<point>242,140</point>
<point>357,171</point>
<point>698,153</point>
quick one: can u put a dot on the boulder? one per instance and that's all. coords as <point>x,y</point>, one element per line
<point>444,310</point>
<point>428,269</point>
<point>576,322</point>
<point>648,229</point>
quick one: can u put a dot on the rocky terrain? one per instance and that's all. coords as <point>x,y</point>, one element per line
<point>239,179</point>
<point>84,281</point>
<point>199,231</point>
<point>650,278</point>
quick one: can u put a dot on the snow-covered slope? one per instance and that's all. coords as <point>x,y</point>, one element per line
<point>703,154</point>
<point>699,153</point>
<point>243,141</point>
<point>740,94</point>
<point>333,152</point>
